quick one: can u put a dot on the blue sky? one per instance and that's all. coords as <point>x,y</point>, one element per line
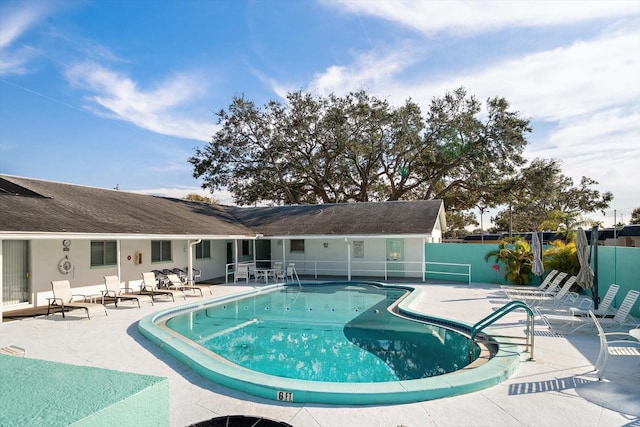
<point>107,93</point>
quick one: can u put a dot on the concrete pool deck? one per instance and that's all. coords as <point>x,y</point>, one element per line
<point>557,389</point>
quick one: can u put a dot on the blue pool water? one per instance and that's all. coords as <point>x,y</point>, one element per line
<point>330,343</point>
<point>331,333</point>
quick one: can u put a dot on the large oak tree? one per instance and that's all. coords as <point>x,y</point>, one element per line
<point>317,149</point>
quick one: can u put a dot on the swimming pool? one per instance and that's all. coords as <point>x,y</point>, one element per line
<point>336,343</point>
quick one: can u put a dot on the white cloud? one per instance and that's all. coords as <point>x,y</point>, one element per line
<point>14,23</point>
<point>371,71</point>
<point>156,109</point>
<point>473,17</point>
<point>586,90</point>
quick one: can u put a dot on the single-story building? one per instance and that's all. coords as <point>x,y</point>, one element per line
<point>54,231</point>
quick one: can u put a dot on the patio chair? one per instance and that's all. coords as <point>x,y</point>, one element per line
<point>176,283</point>
<point>149,286</point>
<point>622,317</point>
<point>629,346</point>
<point>63,298</point>
<point>545,283</point>
<point>562,297</point>
<point>551,290</point>
<point>182,274</point>
<point>604,308</point>
<point>287,274</point>
<point>112,283</point>
<point>195,273</point>
<point>242,272</point>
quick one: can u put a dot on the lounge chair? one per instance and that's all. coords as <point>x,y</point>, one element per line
<point>558,322</point>
<point>150,287</point>
<point>62,297</point>
<point>176,283</point>
<point>112,283</point>
<point>630,346</point>
<point>545,283</point>
<point>552,289</point>
<point>562,297</point>
<point>605,307</point>
<point>242,272</point>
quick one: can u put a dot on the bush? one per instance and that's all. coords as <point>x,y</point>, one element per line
<point>516,255</point>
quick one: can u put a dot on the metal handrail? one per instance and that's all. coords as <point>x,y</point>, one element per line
<point>498,314</point>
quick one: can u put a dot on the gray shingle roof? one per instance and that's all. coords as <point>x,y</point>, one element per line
<point>30,205</point>
<point>78,209</point>
<point>391,218</point>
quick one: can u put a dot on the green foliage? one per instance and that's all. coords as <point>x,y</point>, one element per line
<point>635,216</point>
<point>317,149</point>
<point>562,256</point>
<point>542,198</point>
<point>516,256</point>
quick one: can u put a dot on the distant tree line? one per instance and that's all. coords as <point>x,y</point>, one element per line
<point>355,148</point>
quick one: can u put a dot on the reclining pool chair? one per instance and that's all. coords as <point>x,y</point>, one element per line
<point>623,318</point>
<point>176,283</point>
<point>112,283</point>
<point>63,298</point>
<point>150,287</point>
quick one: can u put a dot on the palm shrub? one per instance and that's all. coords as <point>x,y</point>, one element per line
<point>562,256</point>
<point>516,256</point>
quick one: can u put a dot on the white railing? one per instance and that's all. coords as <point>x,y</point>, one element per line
<point>386,269</point>
<point>466,267</point>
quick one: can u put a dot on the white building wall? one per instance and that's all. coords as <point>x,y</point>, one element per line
<point>86,280</point>
<point>331,256</point>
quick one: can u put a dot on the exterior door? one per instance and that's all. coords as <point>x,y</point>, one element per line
<point>15,272</point>
<point>395,257</point>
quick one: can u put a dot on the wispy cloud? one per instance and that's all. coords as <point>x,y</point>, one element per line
<point>157,109</point>
<point>474,17</point>
<point>15,21</point>
<point>374,71</point>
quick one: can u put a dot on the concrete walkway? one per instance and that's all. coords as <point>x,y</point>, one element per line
<point>558,389</point>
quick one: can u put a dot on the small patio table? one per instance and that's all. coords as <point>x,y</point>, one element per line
<point>266,272</point>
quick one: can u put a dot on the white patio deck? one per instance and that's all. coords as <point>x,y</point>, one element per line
<point>550,391</point>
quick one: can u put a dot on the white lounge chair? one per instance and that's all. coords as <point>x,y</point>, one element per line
<point>562,297</point>
<point>112,283</point>
<point>552,289</point>
<point>176,283</point>
<point>605,307</point>
<point>150,287</point>
<point>63,298</point>
<point>630,346</point>
<point>545,283</point>
<point>558,322</point>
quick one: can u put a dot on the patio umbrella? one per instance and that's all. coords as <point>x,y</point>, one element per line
<point>537,268</point>
<point>585,275</point>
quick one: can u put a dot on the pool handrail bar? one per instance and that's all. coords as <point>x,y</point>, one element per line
<point>498,314</point>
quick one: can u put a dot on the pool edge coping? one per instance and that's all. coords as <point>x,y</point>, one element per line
<point>497,369</point>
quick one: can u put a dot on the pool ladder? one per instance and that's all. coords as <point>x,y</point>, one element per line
<point>498,314</point>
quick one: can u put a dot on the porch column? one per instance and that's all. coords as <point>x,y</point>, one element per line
<point>119,264</point>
